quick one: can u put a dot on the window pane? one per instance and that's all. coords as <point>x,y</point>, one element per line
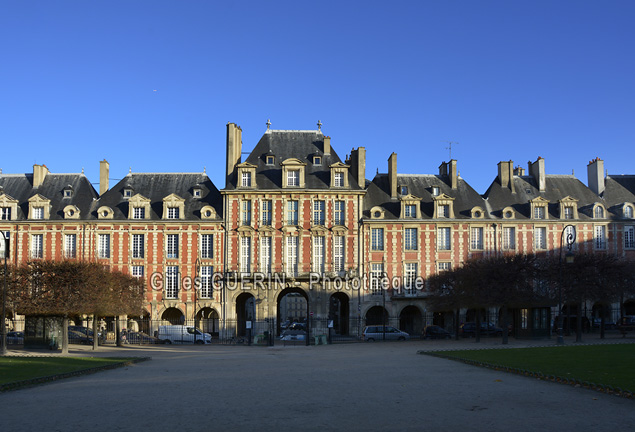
<point>377,239</point>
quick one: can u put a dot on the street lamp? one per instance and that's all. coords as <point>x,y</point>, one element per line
<point>569,257</point>
<point>197,267</point>
<point>4,295</point>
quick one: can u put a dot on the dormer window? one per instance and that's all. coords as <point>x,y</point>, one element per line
<point>435,190</point>
<point>246,179</point>
<point>139,207</point>
<point>5,213</point>
<point>71,212</point>
<point>443,207</point>
<point>293,173</point>
<point>246,175</point>
<point>539,208</point>
<point>173,207</point>
<point>568,212</point>
<point>338,179</point>
<point>410,210</point>
<point>628,211</point>
<point>568,208</point>
<point>293,178</point>
<point>339,175</point>
<point>68,192</point>
<point>270,160</point>
<point>39,207</point>
<point>508,213</point>
<point>317,160</point>
<point>138,213</point>
<point>196,192</point>
<point>8,207</point>
<point>539,212</point>
<point>403,190</point>
<point>127,193</point>
<point>444,211</point>
<point>173,212</point>
<point>598,213</point>
<point>38,213</point>
<point>377,212</point>
<point>477,213</point>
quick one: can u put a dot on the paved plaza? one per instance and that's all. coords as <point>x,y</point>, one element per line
<point>346,387</point>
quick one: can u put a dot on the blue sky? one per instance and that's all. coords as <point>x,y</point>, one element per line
<point>151,84</point>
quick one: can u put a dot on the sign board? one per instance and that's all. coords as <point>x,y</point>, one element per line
<point>330,323</point>
<point>248,324</point>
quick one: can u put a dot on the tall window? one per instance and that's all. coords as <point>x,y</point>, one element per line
<point>138,248</point>
<point>338,214</point>
<point>628,212</point>
<point>410,239</point>
<point>293,178</point>
<point>568,212</point>
<point>629,237</point>
<point>5,213</point>
<point>476,238</point>
<point>444,239</point>
<point>246,179</point>
<point>38,212</point>
<point>245,213</point>
<point>139,213</point>
<point>600,237</point>
<point>318,212</point>
<point>137,271</point>
<point>172,246</point>
<point>265,254</point>
<point>376,276</point>
<point>338,253</point>
<point>103,246</point>
<point>292,256</point>
<point>207,246</point>
<point>292,212</point>
<point>266,212</point>
<point>338,179</point>
<point>444,266</point>
<point>539,212</point>
<point>245,254</point>
<point>70,245</point>
<point>540,238</point>
<point>410,276</point>
<point>377,239</point>
<point>172,282</point>
<point>318,254</point>
<point>444,211</point>
<point>206,281</point>
<point>4,246</point>
<point>173,213</point>
<point>410,211</point>
<point>599,212</point>
<point>509,238</point>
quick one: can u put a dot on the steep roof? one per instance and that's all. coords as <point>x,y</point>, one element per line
<point>557,187</point>
<point>619,189</point>
<point>157,186</point>
<point>420,185</point>
<point>288,144</point>
<point>20,187</point>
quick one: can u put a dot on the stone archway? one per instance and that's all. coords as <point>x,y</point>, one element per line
<point>245,311</point>
<point>410,321</point>
<point>339,313</point>
<point>173,315</point>
<point>292,305</point>
<point>207,319</point>
<point>377,315</point>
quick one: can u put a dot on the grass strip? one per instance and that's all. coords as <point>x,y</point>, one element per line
<point>604,367</point>
<point>19,372</point>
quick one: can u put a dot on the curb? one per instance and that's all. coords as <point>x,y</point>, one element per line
<point>616,391</point>
<point>17,385</point>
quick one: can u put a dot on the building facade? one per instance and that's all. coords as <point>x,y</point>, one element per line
<point>295,224</point>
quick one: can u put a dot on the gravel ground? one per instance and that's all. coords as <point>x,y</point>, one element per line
<point>369,386</point>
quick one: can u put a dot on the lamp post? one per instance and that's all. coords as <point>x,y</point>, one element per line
<point>569,257</point>
<point>4,295</point>
<point>197,268</point>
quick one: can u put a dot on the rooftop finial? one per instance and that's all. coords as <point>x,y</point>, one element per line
<point>204,170</point>
<point>268,124</point>
<point>319,125</point>
<point>82,170</point>
<point>130,170</point>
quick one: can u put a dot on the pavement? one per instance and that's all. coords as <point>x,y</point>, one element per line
<point>354,387</point>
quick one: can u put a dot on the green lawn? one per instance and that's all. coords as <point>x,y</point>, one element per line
<point>14,369</point>
<point>611,365</point>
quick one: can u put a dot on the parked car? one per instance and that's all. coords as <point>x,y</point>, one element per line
<point>468,329</point>
<point>608,324</point>
<point>15,338</point>
<point>436,332</point>
<point>285,325</point>
<point>183,334</point>
<point>142,338</point>
<point>373,333</point>
<point>291,335</point>
<point>626,324</point>
<point>76,337</point>
<point>297,326</point>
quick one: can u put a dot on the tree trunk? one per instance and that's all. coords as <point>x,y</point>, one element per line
<point>457,322</point>
<point>95,333</point>
<point>65,335</point>
<point>504,324</point>
<point>602,319</point>
<point>477,329</point>
<point>578,324</point>
<point>118,331</point>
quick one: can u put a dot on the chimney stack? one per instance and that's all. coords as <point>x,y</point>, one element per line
<point>327,145</point>
<point>537,171</point>
<point>234,148</point>
<point>357,162</point>
<point>104,172</point>
<point>392,175</point>
<point>39,174</point>
<point>506,175</point>
<point>519,171</point>
<point>595,174</point>
<point>449,169</point>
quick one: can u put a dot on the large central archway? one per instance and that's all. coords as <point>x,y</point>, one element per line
<point>207,320</point>
<point>245,311</point>
<point>292,305</point>
<point>339,313</point>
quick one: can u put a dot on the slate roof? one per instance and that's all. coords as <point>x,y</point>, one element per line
<point>557,187</point>
<point>286,144</point>
<point>619,189</point>
<point>157,186</point>
<point>420,185</point>
<point>20,187</point>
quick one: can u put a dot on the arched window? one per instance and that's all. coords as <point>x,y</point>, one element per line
<point>599,212</point>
